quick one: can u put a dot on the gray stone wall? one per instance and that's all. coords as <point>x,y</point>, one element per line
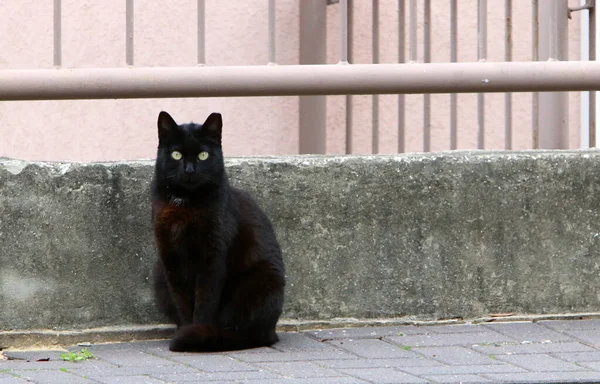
<point>425,236</point>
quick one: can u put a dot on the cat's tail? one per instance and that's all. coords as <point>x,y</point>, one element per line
<point>202,338</point>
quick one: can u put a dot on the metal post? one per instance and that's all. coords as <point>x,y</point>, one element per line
<point>413,30</point>
<point>481,56</point>
<point>349,103</point>
<point>453,59</point>
<point>427,59</point>
<point>508,47</point>
<point>375,98</point>
<point>201,23</point>
<point>272,30</point>
<point>313,31</point>
<point>553,45</point>
<point>401,59</point>
<point>592,57</point>
<point>129,32</point>
<point>57,33</point>
<point>535,97</point>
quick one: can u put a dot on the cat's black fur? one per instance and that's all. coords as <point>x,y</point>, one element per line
<point>220,274</point>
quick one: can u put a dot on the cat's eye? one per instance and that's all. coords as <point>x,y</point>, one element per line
<point>203,155</point>
<point>176,155</point>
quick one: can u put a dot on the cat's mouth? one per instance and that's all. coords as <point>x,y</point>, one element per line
<point>190,181</point>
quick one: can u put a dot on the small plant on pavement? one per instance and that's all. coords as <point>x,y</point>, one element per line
<point>77,356</point>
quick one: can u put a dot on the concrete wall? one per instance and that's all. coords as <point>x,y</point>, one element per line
<point>165,35</point>
<point>461,234</point>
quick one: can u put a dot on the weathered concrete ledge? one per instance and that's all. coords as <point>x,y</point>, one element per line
<point>415,237</point>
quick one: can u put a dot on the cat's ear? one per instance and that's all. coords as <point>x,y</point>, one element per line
<point>211,129</point>
<point>166,126</point>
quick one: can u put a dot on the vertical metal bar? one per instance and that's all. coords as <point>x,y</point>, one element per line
<point>313,32</point>
<point>453,59</point>
<point>201,39</point>
<point>375,107</point>
<point>553,106</point>
<point>584,105</point>
<point>413,30</point>
<point>535,102</point>
<point>57,33</point>
<point>481,56</point>
<point>508,47</point>
<point>344,31</point>
<point>349,105</point>
<point>427,59</point>
<point>401,59</point>
<point>129,32</point>
<point>482,30</point>
<point>592,57</point>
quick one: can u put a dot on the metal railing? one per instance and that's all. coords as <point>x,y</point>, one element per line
<point>548,78</point>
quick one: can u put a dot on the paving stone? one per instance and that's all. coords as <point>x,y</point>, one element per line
<point>134,345</point>
<point>528,332</point>
<point>13,380</point>
<point>298,369</point>
<point>33,355</point>
<point>165,353</point>
<point>462,369</point>
<point>132,358</point>
<point>593,365</point>
<point>384,376</point>
<point>52,377</point>
<point>451,339</point>
<point>299,342</point>
<point>95,373</point>
<point>365,332</point>
<point>311,380</point>
<point>256,350</point>
<point>213,363</point>
<point>546,377</point>
<point>456,328</point>
<point>129,380</point>
<point>578,357</point>
<point>215,376</point>
<point>25,365</point>
<point>373,348</point>
<point>588,336</point>
<point>457,379</point>
<point>456,355</point>
<point>566,325</point>
<point>377,363</point>
<point>532,348</point>
<point>540,363</point>
<point>292,356</point>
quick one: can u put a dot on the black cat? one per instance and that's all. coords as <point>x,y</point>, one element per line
<point>220,274</point>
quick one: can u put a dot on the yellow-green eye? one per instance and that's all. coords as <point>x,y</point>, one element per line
<point>203,155</point>
<point>176,155</point>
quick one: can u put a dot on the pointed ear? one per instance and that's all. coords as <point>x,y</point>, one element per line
<point>211,128</point>
<point>166,126</point>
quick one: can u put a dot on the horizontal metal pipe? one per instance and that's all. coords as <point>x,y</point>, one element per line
<point>290,80</point>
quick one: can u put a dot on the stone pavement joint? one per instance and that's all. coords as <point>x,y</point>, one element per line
<point>508,352</point>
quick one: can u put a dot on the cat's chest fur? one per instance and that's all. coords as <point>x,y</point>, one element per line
<point>181,225</point>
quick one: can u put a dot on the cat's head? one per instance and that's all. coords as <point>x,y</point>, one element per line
<point>189,155</point>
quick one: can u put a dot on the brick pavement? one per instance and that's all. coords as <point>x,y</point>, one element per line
<point>511,352</point>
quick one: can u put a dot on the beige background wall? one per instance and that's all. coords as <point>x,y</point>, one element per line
<point>94,36</point>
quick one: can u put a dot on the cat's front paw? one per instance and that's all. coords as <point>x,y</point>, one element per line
<point>178,344</point>
<point>193,338</point>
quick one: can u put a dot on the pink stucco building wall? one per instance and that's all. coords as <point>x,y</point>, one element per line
<point>165,35</point>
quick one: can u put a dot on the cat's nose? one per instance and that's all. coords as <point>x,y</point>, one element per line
<point>189,169</point>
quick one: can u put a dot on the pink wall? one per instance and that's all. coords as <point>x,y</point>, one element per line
<point>94,36</point>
